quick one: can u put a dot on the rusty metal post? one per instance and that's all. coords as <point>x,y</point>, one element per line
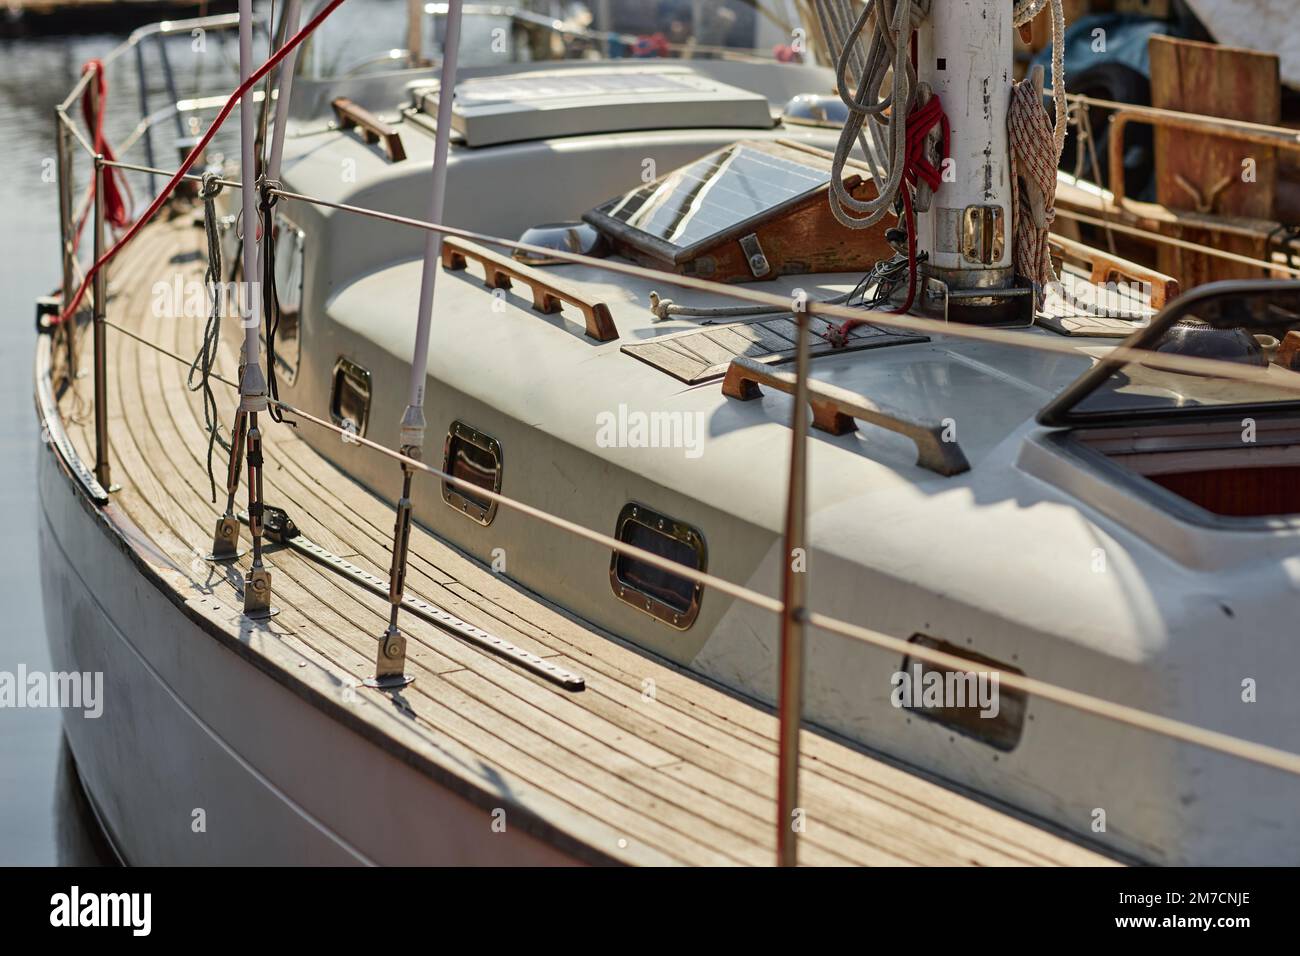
<point>793,597</point>
<point>101,364</point>
<point>63,174</point>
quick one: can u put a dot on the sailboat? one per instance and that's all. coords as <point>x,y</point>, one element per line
<point>699,460</point>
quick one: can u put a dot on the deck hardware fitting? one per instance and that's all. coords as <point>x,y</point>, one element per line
<point>475,636</point>
<point>755,256</point>
<point>257,595</point>
<point>225,540</point>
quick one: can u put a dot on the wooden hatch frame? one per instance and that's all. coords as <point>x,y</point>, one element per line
<point>799,236</point>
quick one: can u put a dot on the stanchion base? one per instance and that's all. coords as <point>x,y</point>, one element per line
<point>388,683</point>
<point>257,594</point>
<point>225,540</point>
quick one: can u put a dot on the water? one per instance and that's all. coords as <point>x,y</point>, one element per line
<point>43,819</point>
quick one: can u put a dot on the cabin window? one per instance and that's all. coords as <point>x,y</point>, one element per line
<point>668,597</point>
<point>972,702</point>
<point>474,457</point>
<point>288,252</point>
<point>350,396</point>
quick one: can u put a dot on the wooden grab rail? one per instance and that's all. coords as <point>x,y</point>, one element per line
<point>1105,268</point>
<point>548,294</point>
<point>834,410</point>
<point>373,129</point>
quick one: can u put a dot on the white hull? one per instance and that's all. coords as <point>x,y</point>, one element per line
<point>191,725</point>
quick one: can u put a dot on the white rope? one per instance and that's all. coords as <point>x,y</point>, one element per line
<point>889,24</point>
<point>1025,11</point>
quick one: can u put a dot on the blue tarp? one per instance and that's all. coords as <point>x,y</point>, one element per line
<point>1125,37</point>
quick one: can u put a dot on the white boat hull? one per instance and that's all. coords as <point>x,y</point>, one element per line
<point>202,757</point>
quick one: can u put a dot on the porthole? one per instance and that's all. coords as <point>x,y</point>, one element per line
<point>350,392</point>
<point>971,703</point>
<point>474,457</point>
<point>668,597</point>
<point>288,252</point>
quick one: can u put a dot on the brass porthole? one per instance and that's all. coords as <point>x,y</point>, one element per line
<point>472,456</point>
<point>350,392</point>
<point>667,597</point>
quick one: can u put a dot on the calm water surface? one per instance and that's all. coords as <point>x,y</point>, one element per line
<point>42,817</point>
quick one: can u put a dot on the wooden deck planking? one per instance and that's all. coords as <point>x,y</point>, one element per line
<point>688,777</point>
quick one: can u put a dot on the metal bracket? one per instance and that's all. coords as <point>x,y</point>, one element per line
<point>390,662</point>
<point>257,595</point>
<point>755,256</point>
<point>225,540</point>
<point>46,306</point>
<point>436,616</point>
<point>1012,307</point>
<point>983,234</point>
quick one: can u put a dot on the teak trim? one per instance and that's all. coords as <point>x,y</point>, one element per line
<point>834,410</point>
<point>1103,267</point>
<point>499,272</point>
<point>373,129</point>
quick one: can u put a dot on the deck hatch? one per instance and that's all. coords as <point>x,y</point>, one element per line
<point>474,457</point>
<point>1228,321</point>
<point>711,217</point>
<point>350,392</point>
<point>699,355</point>
<point>668,597</point>
<point>546,104</point>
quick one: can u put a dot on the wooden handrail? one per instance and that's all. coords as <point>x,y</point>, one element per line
<point>548,294</point>
<point>834,410</point>
<point>373,129</point>
<point>1106,267</point>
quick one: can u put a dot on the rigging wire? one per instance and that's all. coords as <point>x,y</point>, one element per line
<point>69,308</point>
<point>203,362</point>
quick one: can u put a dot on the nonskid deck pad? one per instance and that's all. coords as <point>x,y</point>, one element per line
<point>698,355</point>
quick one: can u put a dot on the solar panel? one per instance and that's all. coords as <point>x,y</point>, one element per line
<point>715,194</point>
<point>546,104</point>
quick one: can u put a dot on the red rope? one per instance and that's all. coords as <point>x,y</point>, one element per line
<point>94,104</point>
<point>70,308</point>
<point>917,168</point>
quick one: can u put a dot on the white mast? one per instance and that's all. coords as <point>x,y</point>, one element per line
<point>285,72</point>
<point>252,386</point>
<point>964,53</point>
<point>252,383</point>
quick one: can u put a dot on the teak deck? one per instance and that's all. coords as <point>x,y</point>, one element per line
<point>686,778</point>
